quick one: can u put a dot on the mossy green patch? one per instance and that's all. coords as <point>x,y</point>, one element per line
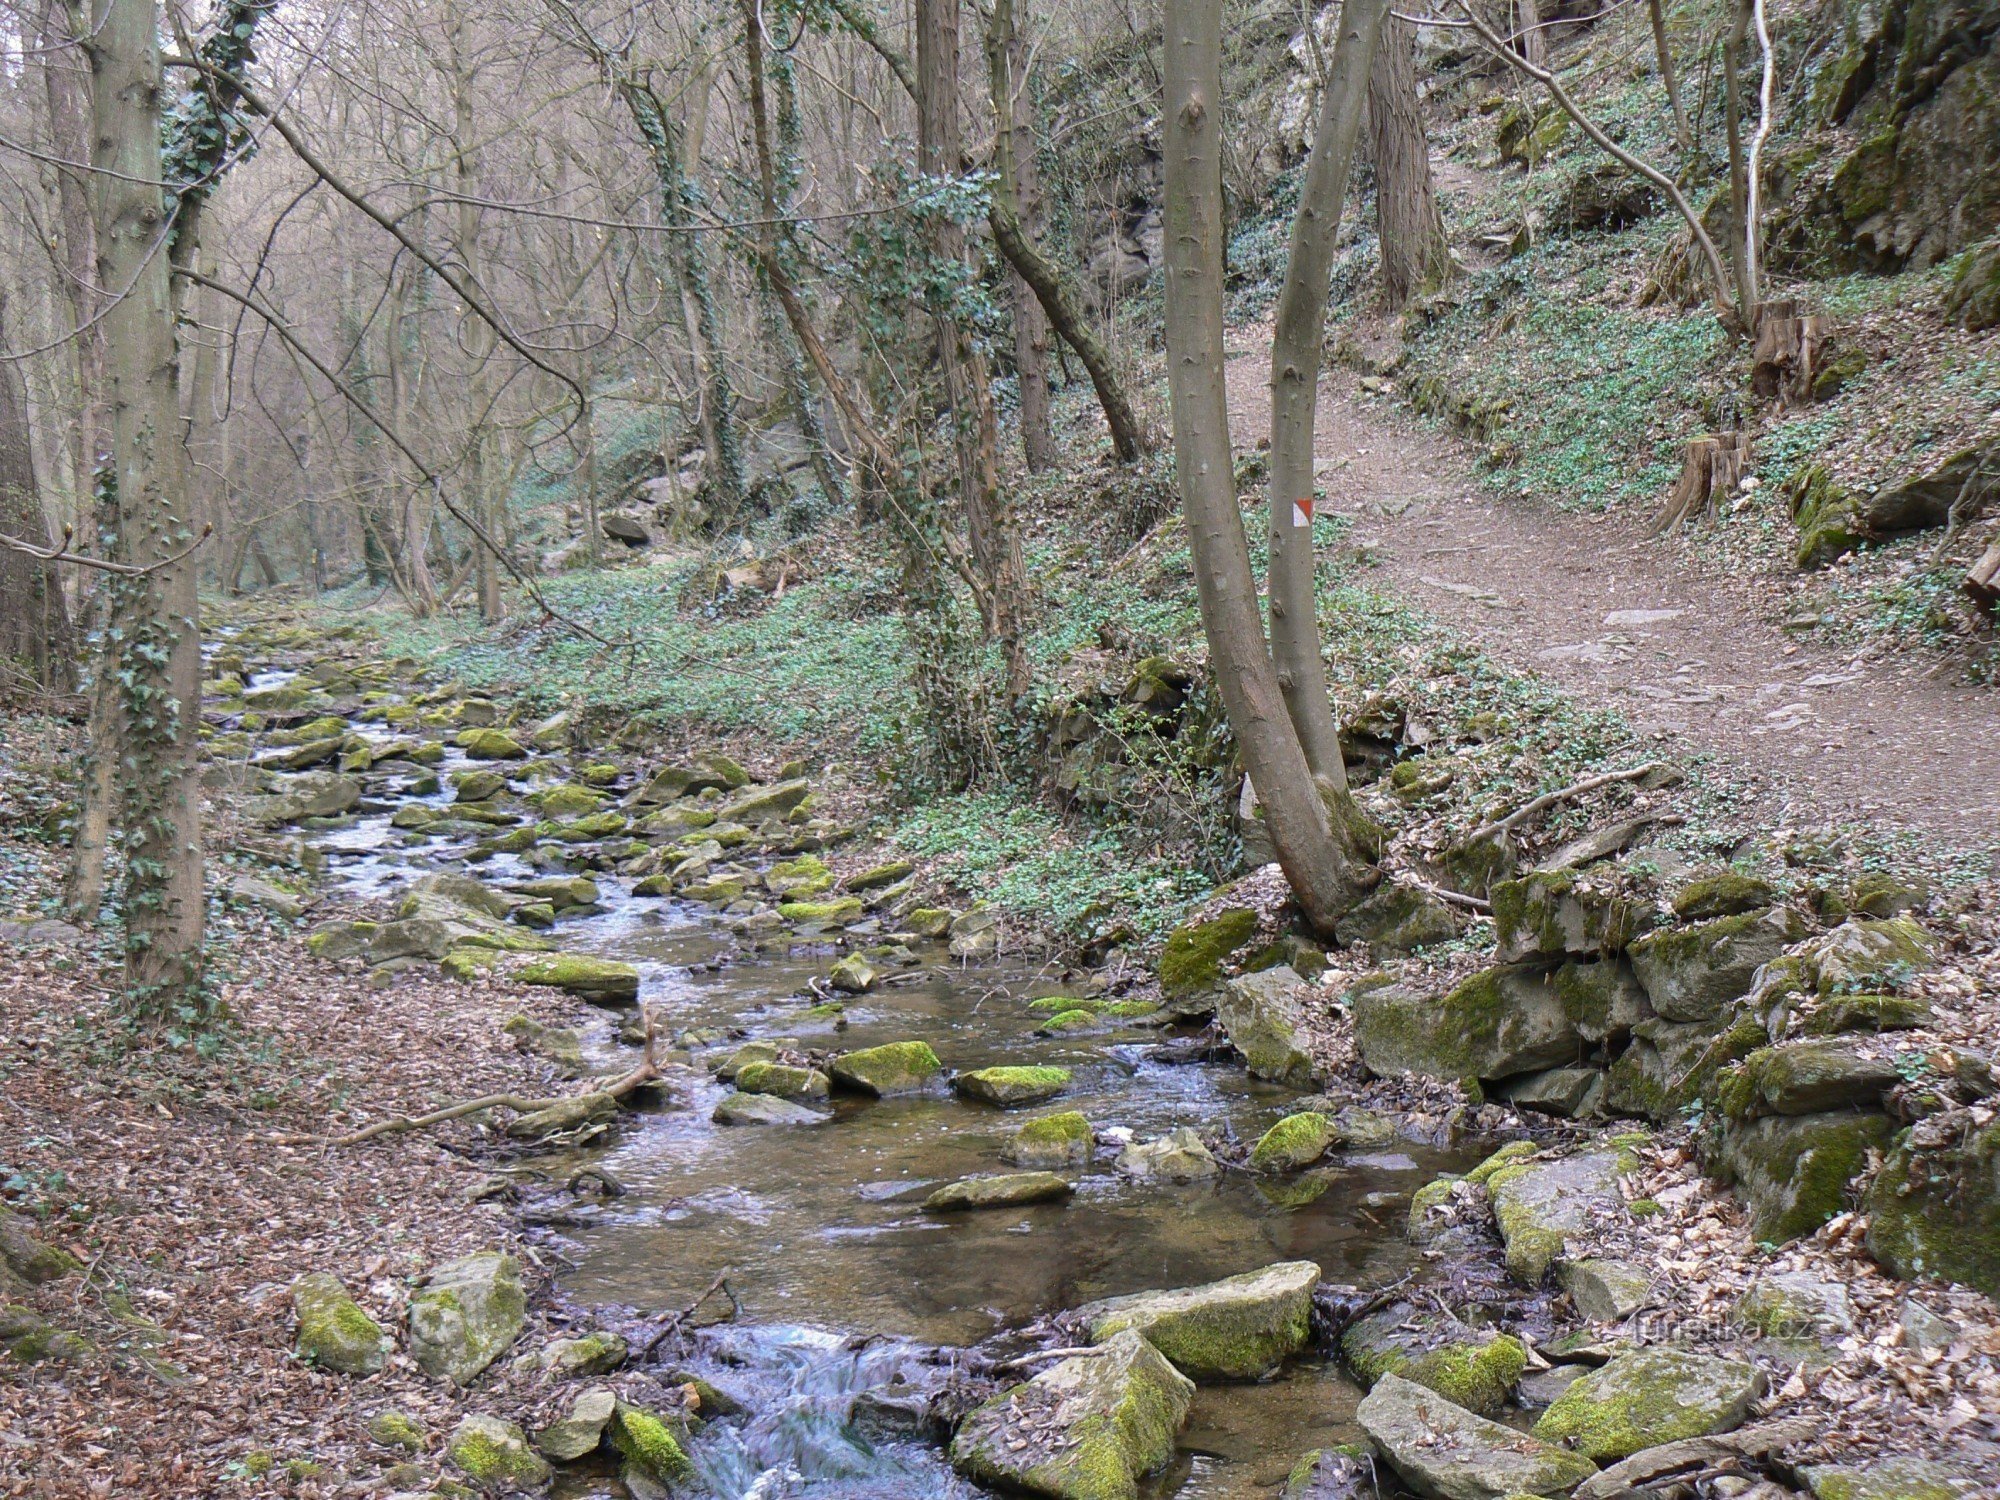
<point>648,1442</point>
<point>1191,964</point>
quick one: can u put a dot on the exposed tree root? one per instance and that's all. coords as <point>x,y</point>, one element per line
<point>1548,800</point>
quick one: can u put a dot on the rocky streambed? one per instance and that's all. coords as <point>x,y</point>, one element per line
<point>906,1213</point>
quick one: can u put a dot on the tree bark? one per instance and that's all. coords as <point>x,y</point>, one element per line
<point>1415,254</point>
<point>154,613</point>
<point>1683,134</point>
<point>1742,272</point>
<point>1297,332</point>
<point>989,522</point>
<point>478,338</point>
<point>1324,877</point>
<point>1528,32</point>
<point>1012,120</point>
<point>36,645</point>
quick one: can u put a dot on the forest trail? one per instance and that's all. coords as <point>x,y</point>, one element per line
<point>1621,622</point>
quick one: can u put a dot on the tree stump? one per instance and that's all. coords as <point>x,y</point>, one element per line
<point>1711,468</point>
<point>1787,355</point>
<point>1982,579</point>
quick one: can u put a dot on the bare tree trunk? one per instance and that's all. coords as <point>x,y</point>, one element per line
<point>160,676</point>
<point>1415,254</point>
<point>479,339</point>
<point>35,637</point>
<point>1296,335</point>
<point>1325,878</point>
<point>1683,135</point>
<point>1742,272</point>
<point>1528,32</point>
<point>989,521</point>
<point>1012,123</point>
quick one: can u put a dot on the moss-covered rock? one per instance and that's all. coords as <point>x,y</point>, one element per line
<point>489,744</point>
<point>1011,1087</point>
<point>399,1430</point>
<point>1399,917</point>
<point>1441,1449</point>
<point>1264,1016</point>
<point>1059,1140</point>
<point>650,1444</point>
<point>334,1332</point>
<point>1864,954</point>
<point>892,1068</point>
<point>1647,1397</point>
<point>1500,1022</point>
<point>1562,914</point>
<point>567,800</point>
<point>466,1313</point>
<point>595,1353</point>
<point>1294,1143</point>
<point>1540,1203</point>
<point>1835,1015</point>
<point>1726,893</point>
<point>1670,1064</point>
<point>1192,962</point>
<point>1794,1304</point>
<point>494,1454</point>
<point>1936,1211</point>
<point>1602,998</point>
<point>1793,1171</point>
<point>599,979</point>
<point>1475,1369</point>
<point>1087,1429</point>
<point>927,922</point>
<point>875,877</point>
<point>798,879</point>
<point>25,1253</point>
<point>1239,1328</point>
<point>1605,1290</point>
<point>764,1109</point>
<point>1001,1190</point>
<point>783,1081</point>
<point>756,805</point>
<point>1692,973</point>
<point>1805,1078</point>
<point>840,909</point>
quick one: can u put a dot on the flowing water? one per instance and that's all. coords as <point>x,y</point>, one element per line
<point>843,1282</point>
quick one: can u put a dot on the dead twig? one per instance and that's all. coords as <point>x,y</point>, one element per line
<point>1563,794</point>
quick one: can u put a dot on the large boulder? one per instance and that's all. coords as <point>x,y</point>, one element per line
<point>310,794</point>
<point>1240,1328</point>
<point>1792,1171</point>
<point>602,980</point>
<point>1192,962</point>
<point>1539,1204</point>
<point>1442,1450</point>
<point>1602,998</point>
<point>1085,1429</point>
<point>1264,1015</point>
<point>1500,1022</point>
<point>466,1313</point>
<point>1647,1397</point>
<point>1864,955</point>
<point>1934,1208</point>
<point>892,1068</point>
<point>334,1332</point>
<point>1692,973</point>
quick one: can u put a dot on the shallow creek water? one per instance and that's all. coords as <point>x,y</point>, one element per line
<point>821,1231</point>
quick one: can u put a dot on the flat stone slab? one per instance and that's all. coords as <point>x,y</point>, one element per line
<point>1442,1450</point>
<point>764,1109</point>
<point>1539,1204</point>
<point>1010,1087</point>
<point>1240,1328</point>
<point>1005,1190</point>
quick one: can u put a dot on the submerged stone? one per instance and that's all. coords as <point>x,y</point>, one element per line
<point>1004,1190</point>
<point>1178,1156</point>
<point>764,1109</point>
<point>1240,1328</point>
<point>1087,1429</point>
<point>1440,1449</point>
<point>1648,1397</point>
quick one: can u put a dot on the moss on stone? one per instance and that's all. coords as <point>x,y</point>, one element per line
<point>398,1429</point>
<point>1192,960</point>
<point>1937,1213</point>
<point>782,1080</point>
<point>334,1332</point>
<point>1295,1142</point>
<point>1062,1139</point>
<point>495,1454</point>
<point>1648,1397</point>
<point>648,1442</point>
<point>1016,1085</point>
<point>583,974</point>
<point>1239,1328</point>
<point>1727,894</point>
<point>892,1068</point>
<point>1069,1023</point>
<point>840,909</point>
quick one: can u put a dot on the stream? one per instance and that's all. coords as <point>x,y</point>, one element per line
<point>843,1282</point>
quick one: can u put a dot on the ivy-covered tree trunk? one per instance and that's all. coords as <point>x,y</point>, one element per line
<point>153,612</point>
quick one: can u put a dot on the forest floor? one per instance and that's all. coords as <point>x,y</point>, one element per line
<point>1689,653</point>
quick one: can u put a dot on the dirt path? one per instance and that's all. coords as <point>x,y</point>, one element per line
<point>1622,622</point>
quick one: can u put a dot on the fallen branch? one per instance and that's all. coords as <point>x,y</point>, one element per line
<point>61,554</point>
<point>674,1321</point>
<point>1563,794</point>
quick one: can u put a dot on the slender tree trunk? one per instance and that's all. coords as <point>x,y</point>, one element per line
<point>481,500</point>
<point>1324,876</point>
<point>1683,135</point>
<point>1740,268</point>
<point>1296,333</point>
<point>155,613</point>
<point>1529,41</point>
<point>1013,127</point>
<point>1415,254</point>
<point>989,521</point>
<point>35,638</point>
